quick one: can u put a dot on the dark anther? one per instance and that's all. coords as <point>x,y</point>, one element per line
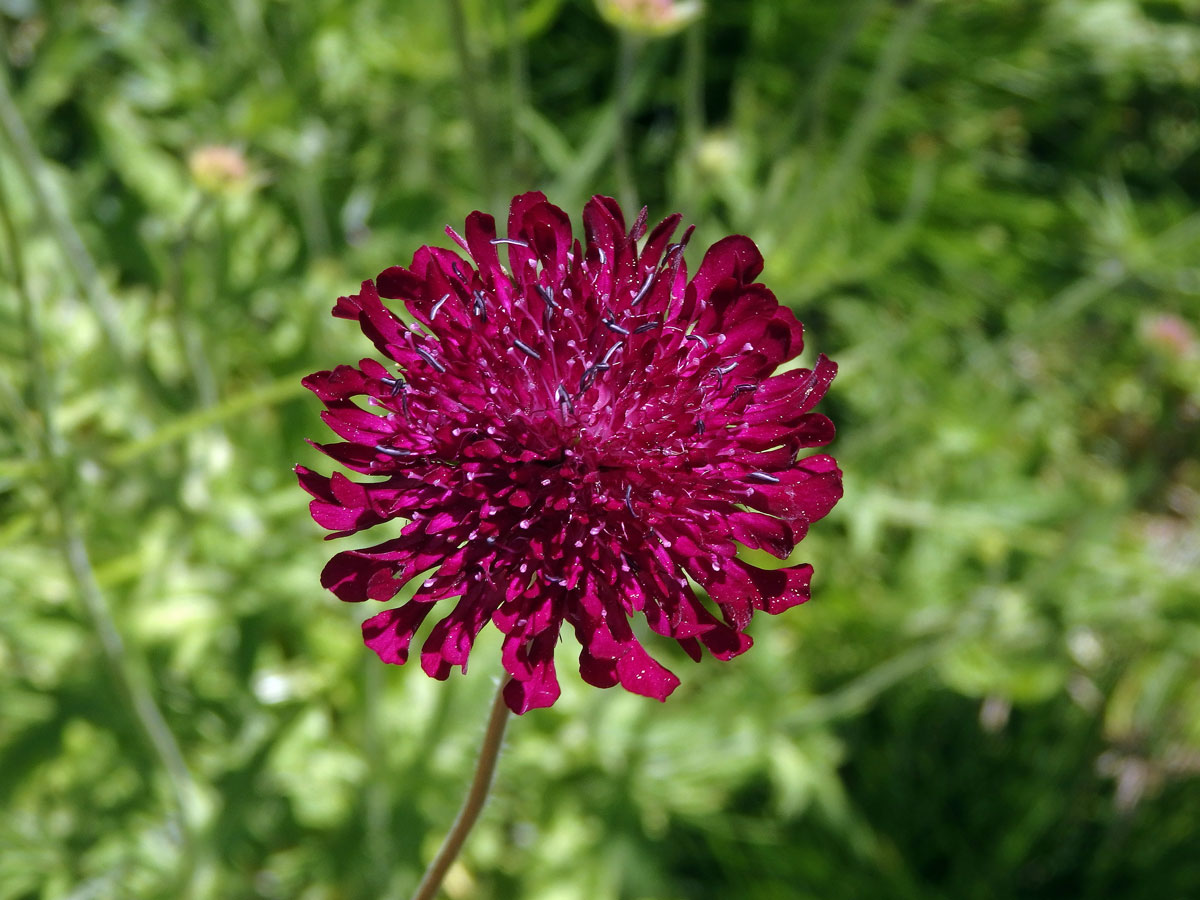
<point>764,477</point>
<point>611,350</point>
<point>722,371</point>
<point>392,451</point>
<point>564,400</point>
<point>526,349</point>
<point>547,295</point>
<point>743,389</point>
<point>699,428</point>
<point>510,241</point>
<point>648,326</point>
<point>628,501</point>
<point>429,359</point>
<point>613,326</point>
<point>433,312</point>
<point>590,373</point>
<point>643,290</point>
<point>480,308</point>
<point>396,384</point>
<point>697,337</point>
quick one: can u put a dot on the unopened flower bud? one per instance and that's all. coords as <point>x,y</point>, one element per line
<point>219,168</point>
<point>649,18</point>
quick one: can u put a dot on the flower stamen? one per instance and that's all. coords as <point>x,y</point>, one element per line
<point>764,477</point>
<point>428,357</point>
<point>526,349</point>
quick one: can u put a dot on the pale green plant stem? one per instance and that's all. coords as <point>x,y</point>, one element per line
<point>470,81</point>
<point>627,56</point>
<point>477,795</point>
<point>518,85</point>
<point>376,796</point>
<point>285,388</point>
<point>75,253</point>
<point>880,90</point>
<point>693,85</point>
<point>1073,300</point>
<point>856,695</point>
<point>578,171</point>
<point>867,120</point>
<point>73,546</point>
<point>193,348</point>
<point>816,101</point>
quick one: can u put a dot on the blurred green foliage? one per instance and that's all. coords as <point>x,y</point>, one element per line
<point>986,212</point>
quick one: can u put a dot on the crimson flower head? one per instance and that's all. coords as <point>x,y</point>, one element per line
<point>579,437</point>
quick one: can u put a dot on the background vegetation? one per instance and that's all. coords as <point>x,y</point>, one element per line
<point>986,212</point>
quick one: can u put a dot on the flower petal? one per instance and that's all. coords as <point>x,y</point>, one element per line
<point>391,632</point>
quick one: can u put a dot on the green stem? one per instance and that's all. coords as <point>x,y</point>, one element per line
<point>477,795</point>
<point>518,85</point>
<point>865,125</point>
<point>376,791</point>
<point>74,251</point>
<point>815,103</point>
<point>693,85</point>
<point>878,98</point>
<point>470,80</point>
<point>627,54</point>
<point>188,337</point>
<point>73,546</point>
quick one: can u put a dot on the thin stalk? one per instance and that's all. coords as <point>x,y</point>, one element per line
<point>627,56</point>
<point>576,180</point>
<point>518,85</point>
<point>693,85</point>
<point>846,161</point>
<point>187,336</point>
<point>72,544</point>
<point>870,113</point>
<point>376,795</point>
<point>255,400</point>
<point>75,253</point>
<point>489,752</point>
<point>815,103</point>
<point>470,81</point>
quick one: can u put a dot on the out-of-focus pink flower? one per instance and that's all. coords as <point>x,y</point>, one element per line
<point>650,18</point>
<point>1170,334</point>
<point>219,168</point>
<point>576,438</point>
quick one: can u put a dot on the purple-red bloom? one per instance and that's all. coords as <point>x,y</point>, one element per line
<point>575,438</point>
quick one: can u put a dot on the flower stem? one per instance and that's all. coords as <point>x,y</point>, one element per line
<point>627,57</point>
<point>693,86</point>
<point>470,80</point>
<point>75,253</point>
<point>72,543</point>
<point>518,85</point>
<point>489,752</point>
